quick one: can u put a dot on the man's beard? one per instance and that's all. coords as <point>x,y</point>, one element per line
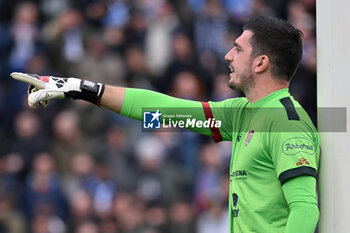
<point>246,83</point>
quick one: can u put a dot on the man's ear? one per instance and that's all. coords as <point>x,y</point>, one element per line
<point>261,63</point>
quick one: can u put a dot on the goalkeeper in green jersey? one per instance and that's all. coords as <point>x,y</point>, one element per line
<point>275,147</point>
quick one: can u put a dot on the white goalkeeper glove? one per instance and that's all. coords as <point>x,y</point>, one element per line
<point>44,88</point>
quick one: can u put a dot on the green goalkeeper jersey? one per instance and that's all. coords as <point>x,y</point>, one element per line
<point>273,140</point>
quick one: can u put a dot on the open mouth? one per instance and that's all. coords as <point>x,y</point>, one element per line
<point>231,69</point>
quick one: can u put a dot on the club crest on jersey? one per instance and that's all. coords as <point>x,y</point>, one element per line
<point>249,137</point>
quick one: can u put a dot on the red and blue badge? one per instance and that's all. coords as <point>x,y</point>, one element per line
<point>249,137</point>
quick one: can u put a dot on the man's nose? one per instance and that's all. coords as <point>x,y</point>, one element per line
<point>229,56</point>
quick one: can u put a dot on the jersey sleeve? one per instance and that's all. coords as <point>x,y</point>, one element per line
<point>294,149</point>
<point>137,101</point>
<point>300,194</point>
<point>229,112</point>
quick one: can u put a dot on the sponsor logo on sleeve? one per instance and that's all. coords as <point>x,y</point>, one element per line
<point>296,145</point>
<point>302,161</point>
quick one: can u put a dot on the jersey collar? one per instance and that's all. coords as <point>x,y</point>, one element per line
<point>268,98</point>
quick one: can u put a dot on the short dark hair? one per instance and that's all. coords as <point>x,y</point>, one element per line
<point>278,40</point>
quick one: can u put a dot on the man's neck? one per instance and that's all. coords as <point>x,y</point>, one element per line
<point>264,88</point>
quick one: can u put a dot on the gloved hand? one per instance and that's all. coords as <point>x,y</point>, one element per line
<point>44,88</point>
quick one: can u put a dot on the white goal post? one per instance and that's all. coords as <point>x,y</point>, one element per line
<point>333,90</point>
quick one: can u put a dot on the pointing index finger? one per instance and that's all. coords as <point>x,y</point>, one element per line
<point>31,79</point>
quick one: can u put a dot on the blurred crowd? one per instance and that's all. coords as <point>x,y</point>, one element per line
<point>73,167</point>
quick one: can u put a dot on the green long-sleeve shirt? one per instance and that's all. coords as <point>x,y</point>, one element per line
<point>275,156</point>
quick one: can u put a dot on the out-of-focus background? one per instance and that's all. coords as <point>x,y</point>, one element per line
<point>73,167</point>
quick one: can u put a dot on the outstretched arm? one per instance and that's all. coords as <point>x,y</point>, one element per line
<point>129,102</point>
<point>132,102</point>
